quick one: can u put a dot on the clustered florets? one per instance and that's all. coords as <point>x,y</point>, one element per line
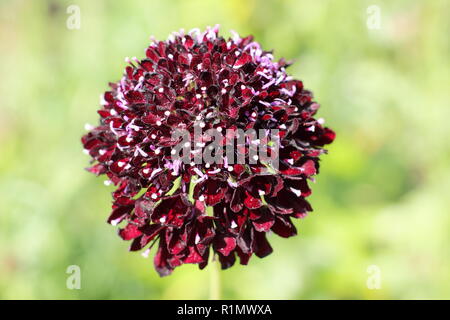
<point>191,208</point>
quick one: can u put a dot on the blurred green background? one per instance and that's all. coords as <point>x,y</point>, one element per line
<point>382,198</point>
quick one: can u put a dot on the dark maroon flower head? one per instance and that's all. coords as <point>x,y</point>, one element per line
<point>191,208</point>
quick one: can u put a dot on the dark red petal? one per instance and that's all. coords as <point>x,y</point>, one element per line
<point>224,244</point>
<point>227,261</point>
<point>176,246</point>
<point>134,97</point>
<point>237,200</point>
<point>309,168</point>
<point>131,231</point>
<point>262,246</point>
<point>243,59</point>
<point>172,210</point>
<point>327,137</point>
<point>284,227</point>
<point>204,263</point>
<point>174,261</point>
<point>238,169</point>
<point>193,257</point>
<point>97,169</point>
<point>243,257</point>
<point>140,242</point>
<point>151,54</point>
<point>213,199</point>
<point>143,208</point>
<point>162,257</point>
<point>118,166</point>
<point>136,244</point>
<point>252,202</point>
<point>246,241</point>
<point>293,171</point>
<point>286,202</point>
<point>118,214</point>
<point>265,221</point>
<point>151,230</point>
<point>161,264</point>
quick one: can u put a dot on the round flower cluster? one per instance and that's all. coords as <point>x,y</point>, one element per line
<point>200,78</point>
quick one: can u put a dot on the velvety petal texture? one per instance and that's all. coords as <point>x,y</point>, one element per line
<point>187,210</point>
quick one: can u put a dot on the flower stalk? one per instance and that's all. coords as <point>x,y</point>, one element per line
<point>214,279</point>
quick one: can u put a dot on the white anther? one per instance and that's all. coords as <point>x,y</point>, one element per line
<point>298,193</point>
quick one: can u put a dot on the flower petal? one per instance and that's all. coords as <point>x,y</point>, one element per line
<point>224,244</point>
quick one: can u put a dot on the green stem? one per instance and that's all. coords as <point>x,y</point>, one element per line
<point>214,280</point>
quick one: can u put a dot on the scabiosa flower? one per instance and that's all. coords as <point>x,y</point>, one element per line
<point>189,209</point>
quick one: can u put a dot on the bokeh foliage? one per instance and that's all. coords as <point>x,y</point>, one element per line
<point>382,197</point>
